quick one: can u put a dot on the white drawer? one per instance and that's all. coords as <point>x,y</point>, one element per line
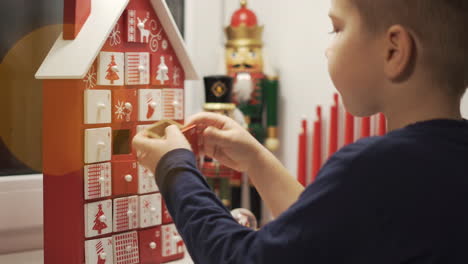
<point>98,218</point>
<point>149,104</point>
<point>173,101</point>
<point>125,213</point>
<point>98,180</point>
<point>99,251</point>
<point>150,210</point>
<point>111,69</point>
<point>98,144</point>
<point>137,68</point>
<point>97,105</point>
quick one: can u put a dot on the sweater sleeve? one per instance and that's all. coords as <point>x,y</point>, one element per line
<point>318,228</point>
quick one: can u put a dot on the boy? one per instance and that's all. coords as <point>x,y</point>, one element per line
<point>400,198</point>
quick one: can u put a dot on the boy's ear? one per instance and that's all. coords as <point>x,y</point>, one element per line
<point>400,53</point>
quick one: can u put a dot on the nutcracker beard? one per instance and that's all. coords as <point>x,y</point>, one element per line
<point>243,87</point>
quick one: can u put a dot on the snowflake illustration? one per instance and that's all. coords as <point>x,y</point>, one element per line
<point>120,112</point>
<point>114,38</point>
<point>147,204</point>
<point>90,78</point>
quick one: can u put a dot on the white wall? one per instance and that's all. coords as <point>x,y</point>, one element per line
<point>296,38</point>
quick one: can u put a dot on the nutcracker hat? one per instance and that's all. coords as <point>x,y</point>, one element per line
<point>218,90</point>
<point>244,29</point>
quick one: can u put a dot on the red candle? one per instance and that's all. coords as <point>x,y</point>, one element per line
<point>365,127</point>
<point>382,125</point>
<point>333,139</point>
<point>349,129</point>
<point>302,154</point>
<point>317,145</point>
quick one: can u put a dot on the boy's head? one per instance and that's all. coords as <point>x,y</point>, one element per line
<point>389,41</point>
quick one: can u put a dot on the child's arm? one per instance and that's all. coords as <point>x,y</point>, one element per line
<point>229,143</point>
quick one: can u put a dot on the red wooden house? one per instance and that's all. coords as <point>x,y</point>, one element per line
<point>119,66</point>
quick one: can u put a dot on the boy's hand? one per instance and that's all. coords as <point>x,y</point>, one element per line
<point>151,150</point>
<point>225,140</point>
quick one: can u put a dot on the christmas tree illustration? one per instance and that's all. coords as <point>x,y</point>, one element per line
<point>163,70</point>
<point>98,224</point>
<point>112,71</point>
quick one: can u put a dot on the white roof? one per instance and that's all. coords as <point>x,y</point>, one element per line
<point>71,59</point>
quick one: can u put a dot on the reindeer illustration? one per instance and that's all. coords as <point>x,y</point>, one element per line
<point>144,33</point>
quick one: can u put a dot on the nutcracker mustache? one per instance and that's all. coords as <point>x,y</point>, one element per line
<point>245,65</point>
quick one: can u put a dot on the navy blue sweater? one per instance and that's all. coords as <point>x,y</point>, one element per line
<point>400,198</point>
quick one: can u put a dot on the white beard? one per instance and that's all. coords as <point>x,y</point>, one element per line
<point>243,87</point>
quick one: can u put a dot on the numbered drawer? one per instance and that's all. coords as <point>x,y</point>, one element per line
<point>150,246</point>
<point>166,217</point>
<point>146,181</point>
<point>124,107</point>
<point>98,145</point>
<point>97,105</point>
<point>111,68</point>
<point>125,213</point>
<point>137,68</point>
<point>98,181</point>
<point>173,101</point>
<point>172,243</point>
<point>98,218</point>
<point>124,177</point>
<point>150,210</point>
<point>150,104</point>
<point>162,69</point>
<point>126,248</point>
<point>99,251</point>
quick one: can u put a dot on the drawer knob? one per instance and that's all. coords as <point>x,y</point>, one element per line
<point>153,210</point>
<point>128,106</point>
<point>101,106</point>
<point>129,213</point>
<point>115,68</point>
<point>102,218</point>
<point>103,255</point>
<point>128,248</point>
<point>141,68</point>
<point>128,178</point>
<point>102,179</point>
<point>152,245</point>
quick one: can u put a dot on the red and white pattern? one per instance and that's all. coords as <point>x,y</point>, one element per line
<point>150,210</point>
<point>98,218</point>
<point>99,251</point>
<point>173,101</point>
<point>172,242</point>
<point>149,104</point>
<point>138,26</point>
<point>146,181</point>
<point>125,213</point>
<point>98,180</point>
<point>126,248</point>
<point>166,217</point>
<point>111,68</point>
<point>137,70</point>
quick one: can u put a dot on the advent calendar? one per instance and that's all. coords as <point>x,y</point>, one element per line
<point>119,66</point>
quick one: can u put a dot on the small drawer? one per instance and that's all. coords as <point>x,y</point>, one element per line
<point>150,104</point>
<point>125,213</point>
<point>98,144</point>
<point>172,243</point>
<point>166,217</point>
<point>125,107</point>
<point>98,181</point>
<point>146,181</point>
<point>137,68</point>
<point>124,177</point>
<point>126,248</point>
<point>98,218</point>
<point>111,69</point>
<point>150,210</point>
<point>97,105</point>
<point>99,251</point>
<point>150,246</point>
<point>173,102</point>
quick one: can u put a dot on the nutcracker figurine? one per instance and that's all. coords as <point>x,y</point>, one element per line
<point>255,90</point>
<point>221,179</point>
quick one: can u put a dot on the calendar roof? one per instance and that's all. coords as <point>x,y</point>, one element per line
<point>71,59</point>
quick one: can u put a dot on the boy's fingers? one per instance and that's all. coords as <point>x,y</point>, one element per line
<point>141,142</point>
<point>208,119</point>
<point>173,131</point>
<point>215,135</point>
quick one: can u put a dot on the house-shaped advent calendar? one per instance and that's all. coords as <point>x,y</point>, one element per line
<point>119,66</point>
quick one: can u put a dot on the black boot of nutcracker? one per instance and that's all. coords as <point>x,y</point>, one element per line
<point>255,89</point>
